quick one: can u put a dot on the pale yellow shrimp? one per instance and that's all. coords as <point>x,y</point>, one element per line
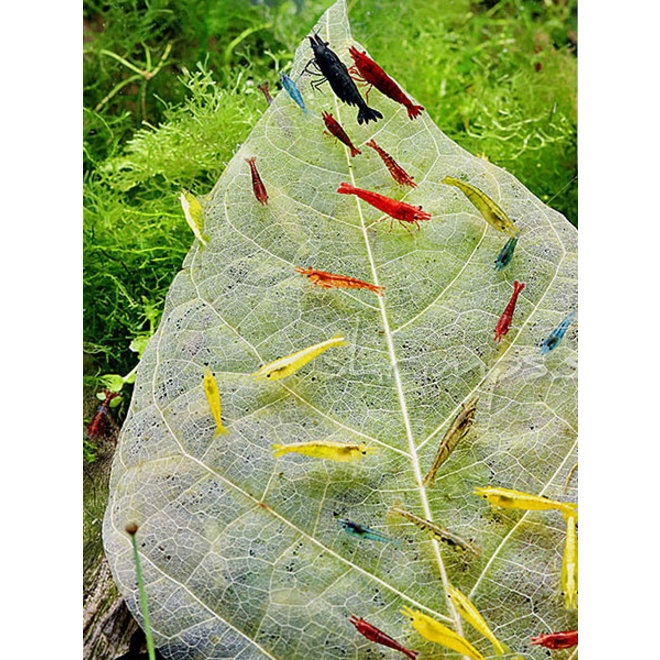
<point>569,567</point>
<point>333,451</point>
<point>571,472</point>
<point>436,632</point>
<point>192,209</point>
<point>457,430</point>
<point>440,533</point>
<point>285,366</point>
<point>470,613</point>
<point>490,211</point>
<point>213,397</point>
<point>515,499</point>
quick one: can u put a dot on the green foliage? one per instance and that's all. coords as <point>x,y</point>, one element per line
<point>499,82</point>
<point>170,91</point>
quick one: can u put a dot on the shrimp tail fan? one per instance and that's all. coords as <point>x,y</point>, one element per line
<point>345,188</point>
<point>414,111</point>
<point>367,114</point>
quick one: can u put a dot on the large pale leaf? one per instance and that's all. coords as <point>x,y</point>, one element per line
<point>243,554</point>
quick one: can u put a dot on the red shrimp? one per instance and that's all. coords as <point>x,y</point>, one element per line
<point>504,323</point>
<point>400,211</point>
<point>263,88</point>
<point>97,427</point>
<point>557,640</point>
<point>397,172</point>
<point>332,280</point>
<point>335,128</point>
<point>376,635</point>
<point>372,74</point>
<point>257,184</point>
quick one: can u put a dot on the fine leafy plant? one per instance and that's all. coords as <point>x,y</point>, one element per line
<point>243,554</point>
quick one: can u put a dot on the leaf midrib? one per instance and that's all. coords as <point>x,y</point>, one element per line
<point>455,618</point>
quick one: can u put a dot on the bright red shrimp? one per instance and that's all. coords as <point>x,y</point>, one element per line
<point>372,74</point>
<point>332,280</point>
<point>374,634</point>
<point>257,184</point>
<point>557,640</point>
<point>400,211</point>
<point>397,172</point>
<point>335,128</point>
<point>97,426</point>
<point>504,323</point>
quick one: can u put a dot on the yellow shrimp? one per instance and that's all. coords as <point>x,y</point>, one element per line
<point>213,397</point>
<point>569,567</point>
<point>490,211</point>
<point>515,499</point>
<point>470,613</point>
<point>436,632</point>
<point>192,209</point>
<point>285,366</point>
<point>333,451</point>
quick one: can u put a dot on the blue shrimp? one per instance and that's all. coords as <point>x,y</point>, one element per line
<point>364,532</point>
<point>506,254</point>
<point>552,340</point>
<point>293,91</point>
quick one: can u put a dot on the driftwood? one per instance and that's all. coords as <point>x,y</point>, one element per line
<point>109,630</point>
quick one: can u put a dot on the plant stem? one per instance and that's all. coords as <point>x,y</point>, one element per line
<point>131,529</point>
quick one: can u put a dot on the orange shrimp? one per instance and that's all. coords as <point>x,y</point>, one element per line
<point>332,280</point>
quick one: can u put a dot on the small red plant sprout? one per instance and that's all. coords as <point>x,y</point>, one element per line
<point>335,128</point>
<point>366,69</point>
<point>504,323</point>
<point>257,184</point>
<point>557,640</point>
<point>98,426</point>
<point>374,634</point>
<point>332,280</point>
<point>400,211</point>
<point>397,172</point>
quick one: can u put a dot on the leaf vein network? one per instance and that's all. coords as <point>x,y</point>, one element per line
<point>251,498</point>
<point>455,619</point>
